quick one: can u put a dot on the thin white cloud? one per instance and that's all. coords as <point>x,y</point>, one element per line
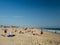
<point>3,16</point>
<point>18,16</point>
<point>11,16</point>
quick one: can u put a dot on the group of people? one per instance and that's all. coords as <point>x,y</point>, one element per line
<point>21,32</point>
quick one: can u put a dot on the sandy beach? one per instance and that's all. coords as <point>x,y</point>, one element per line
<point>28,36</point>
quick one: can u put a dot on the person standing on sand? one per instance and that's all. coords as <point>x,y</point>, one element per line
<point>41,31</point>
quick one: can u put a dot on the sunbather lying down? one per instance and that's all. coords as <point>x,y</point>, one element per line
<point>9,35</point>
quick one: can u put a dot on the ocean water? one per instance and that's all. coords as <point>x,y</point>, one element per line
<point>56,30</point>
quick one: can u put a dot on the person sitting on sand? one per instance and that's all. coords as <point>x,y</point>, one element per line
<point>5,31</point>
<point>21,32</point>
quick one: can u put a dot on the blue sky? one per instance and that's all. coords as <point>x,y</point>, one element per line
<point>35,13</point>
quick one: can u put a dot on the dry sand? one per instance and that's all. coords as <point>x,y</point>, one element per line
<point>25,37</point>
